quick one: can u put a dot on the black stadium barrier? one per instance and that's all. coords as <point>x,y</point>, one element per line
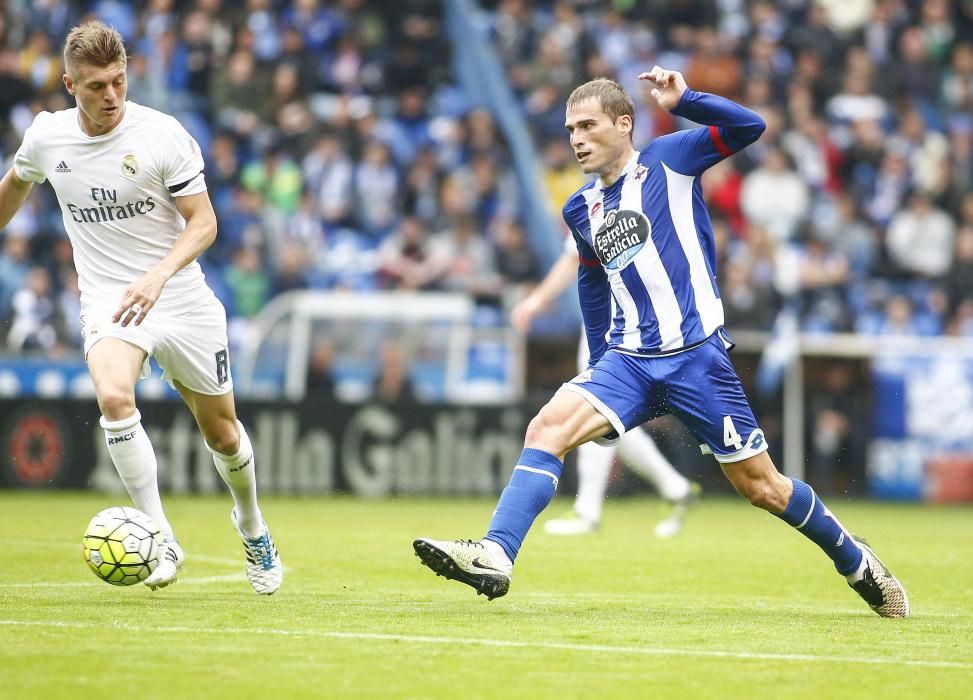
<point>311,447</point>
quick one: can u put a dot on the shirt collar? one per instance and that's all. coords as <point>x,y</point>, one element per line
<point>629,168</point>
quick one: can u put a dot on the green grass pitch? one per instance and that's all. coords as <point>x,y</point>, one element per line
<point>738,606</point>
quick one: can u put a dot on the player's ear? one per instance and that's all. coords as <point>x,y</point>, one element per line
<point>68,83</point>
<point>625,124</point>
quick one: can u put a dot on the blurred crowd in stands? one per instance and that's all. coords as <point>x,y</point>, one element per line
<point>340,154</point>
<point>854,210</point>
<point>852,213</point>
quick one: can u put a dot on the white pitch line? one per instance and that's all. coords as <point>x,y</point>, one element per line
<point>501,643</point>
<point>52,544</point>
<point>58,544</point>
<point>215,560</point>
<point>85,584</point>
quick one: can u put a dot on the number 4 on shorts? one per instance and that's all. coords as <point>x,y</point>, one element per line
<point>731,438</point>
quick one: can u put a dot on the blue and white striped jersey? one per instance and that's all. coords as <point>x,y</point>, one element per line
<point>647,278</point>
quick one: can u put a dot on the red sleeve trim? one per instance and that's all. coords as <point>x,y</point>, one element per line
<point>714,133</point>
<point>588,263</point>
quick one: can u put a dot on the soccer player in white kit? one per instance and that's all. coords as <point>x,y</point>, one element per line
<point>636,448</point>
<point>133,197</point>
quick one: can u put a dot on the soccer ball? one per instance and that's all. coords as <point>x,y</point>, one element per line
<point>121,545</point>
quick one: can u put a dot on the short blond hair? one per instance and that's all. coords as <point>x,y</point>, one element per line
<point>612,97</point>
<point>94,44</point>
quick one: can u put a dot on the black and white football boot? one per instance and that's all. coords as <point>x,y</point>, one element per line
<point>878,587</point>
<point>467,562</point>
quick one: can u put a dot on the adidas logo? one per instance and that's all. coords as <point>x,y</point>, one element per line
<point>62,167</point>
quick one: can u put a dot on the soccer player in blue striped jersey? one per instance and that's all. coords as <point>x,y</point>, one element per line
<point>636,449</point>
<point>654,325</point>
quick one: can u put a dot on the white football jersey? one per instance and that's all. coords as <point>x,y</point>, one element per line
<point>116,193</point>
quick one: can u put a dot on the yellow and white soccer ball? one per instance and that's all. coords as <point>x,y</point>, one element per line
<point>121,545</point>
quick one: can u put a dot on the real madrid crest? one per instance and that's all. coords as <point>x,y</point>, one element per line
<point>130,166</point>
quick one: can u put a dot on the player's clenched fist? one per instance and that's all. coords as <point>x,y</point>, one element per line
<point>670,85</point>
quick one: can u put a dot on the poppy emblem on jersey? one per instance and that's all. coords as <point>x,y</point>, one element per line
<point>130,166</point>
<point>620,238</point>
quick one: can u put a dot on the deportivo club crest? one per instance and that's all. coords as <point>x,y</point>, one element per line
<point>621,237</point>
<point>130,166</point>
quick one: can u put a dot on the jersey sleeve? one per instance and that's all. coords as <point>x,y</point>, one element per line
<point>729,128</point>
<point>575,209</point>
<point>595,296</point>
<point>25,164</point>
<point>593,289</point>
<point>182,163</point>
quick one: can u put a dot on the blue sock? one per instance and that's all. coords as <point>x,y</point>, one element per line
<point>531,488</point>
<point>807,513</point>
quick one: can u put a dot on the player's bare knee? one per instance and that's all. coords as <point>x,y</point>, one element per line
<point>544,434</point>
<point>116,404</point>
<point>223,437</point>
<point>537,430</point>
<point>765,494</point>
<point>759,495</point>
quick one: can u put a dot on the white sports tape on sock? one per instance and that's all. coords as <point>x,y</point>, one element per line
<point>123,424</point>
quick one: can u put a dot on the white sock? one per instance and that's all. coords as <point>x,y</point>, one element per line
<point>639,452</point>
<point>496,551</point>
<point>238,472</point>
<point>131,452</point>
<point>594,468</point>
<point>859,573</point>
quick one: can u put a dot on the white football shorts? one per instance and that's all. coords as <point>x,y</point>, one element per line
<point>190,345</point>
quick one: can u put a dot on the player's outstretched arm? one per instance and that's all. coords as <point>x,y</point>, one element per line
<point>738,126</point>
<point>200,232</point>
<point>558,278</point>
<point>13,194</point>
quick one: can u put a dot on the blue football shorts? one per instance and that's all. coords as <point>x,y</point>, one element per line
<point>698,386</point>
